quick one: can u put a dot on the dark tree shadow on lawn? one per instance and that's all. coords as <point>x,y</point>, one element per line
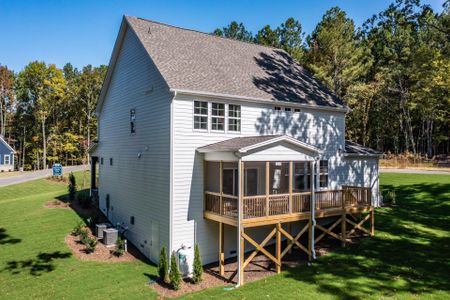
<point>6,238</point>
<point>408,254</point>
<point>43,263</point>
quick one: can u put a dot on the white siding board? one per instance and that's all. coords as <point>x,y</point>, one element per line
<point>137,187</point>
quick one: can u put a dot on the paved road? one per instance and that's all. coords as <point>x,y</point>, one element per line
<point>28,176</point>
<point>414,171</point>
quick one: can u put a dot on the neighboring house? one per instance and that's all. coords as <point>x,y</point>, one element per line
<point>196,130</point>
<point>6,156</point>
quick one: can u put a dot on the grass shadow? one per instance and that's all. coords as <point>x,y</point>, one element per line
<point>43,263</point>
<point>6,238</point>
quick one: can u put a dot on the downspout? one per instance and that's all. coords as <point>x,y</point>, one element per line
<point>240,193</point>
<point>171,175</point>
<point>313,205</point>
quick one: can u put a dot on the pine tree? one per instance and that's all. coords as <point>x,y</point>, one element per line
<point>163,266</point>
<point>174,275</point>
<point>198,268</point>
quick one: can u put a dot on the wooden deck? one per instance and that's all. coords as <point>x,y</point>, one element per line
<point>283,208</point>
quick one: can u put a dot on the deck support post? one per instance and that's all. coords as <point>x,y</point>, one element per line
<point>372,221</point>
<point>278,248</point>
<point>241,258</point>
<point>344,228</point>
<point>221,249</point>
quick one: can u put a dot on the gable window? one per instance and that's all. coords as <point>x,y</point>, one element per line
<point>218,116</point>
<point>323,174</point>
<point>7,159</point>
<point>234,117</point>
<point>200,115</point>
<point>133,121</point>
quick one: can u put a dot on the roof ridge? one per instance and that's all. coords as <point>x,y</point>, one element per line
<point>206,33</point>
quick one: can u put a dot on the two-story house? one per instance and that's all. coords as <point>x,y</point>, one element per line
<point>208,140</point>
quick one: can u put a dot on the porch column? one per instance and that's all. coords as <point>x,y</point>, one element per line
<point>240,229</point>
<point>267,187</point>
<point>312,219</point>
<point>290,186</point>
<point>221,187</point>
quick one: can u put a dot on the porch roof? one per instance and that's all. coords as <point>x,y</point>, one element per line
<point>252,144</point>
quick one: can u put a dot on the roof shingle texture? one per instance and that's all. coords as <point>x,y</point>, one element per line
<point>237,143</point>
<point>354,148</point>
<point>200,62</point>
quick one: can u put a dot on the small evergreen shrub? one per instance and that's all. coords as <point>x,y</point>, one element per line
<point>198,268</point>
<point>120,247</point>
<point>76,231</point>
<point>174,274</point>
<point>72,187</point>
<point>163,266</point>
<point>91,244</point>
<point>84,236</point>
<point>392,196</point>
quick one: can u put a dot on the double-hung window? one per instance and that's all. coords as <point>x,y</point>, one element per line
<point>7,159</point>
<point>201,115</point>
<point>234,117</point>
<point>323,174</point>
<point>218,116</point>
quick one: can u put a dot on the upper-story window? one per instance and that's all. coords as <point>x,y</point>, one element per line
<point>234,117</point>
<point>218,116</point>
<point>287,109</point>
<point>133,121</point>
<point>201,115</point>
<point>277,108</point>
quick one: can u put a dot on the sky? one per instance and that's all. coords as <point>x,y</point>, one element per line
<point>84,31</point>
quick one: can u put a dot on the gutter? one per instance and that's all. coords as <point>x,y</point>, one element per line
<point>258,100</point>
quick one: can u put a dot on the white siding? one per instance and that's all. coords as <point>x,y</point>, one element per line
<point>323,129</point>
<point>138,187</point>
<point>363,171</point>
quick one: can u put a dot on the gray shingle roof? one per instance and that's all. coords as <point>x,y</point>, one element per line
<point>357,149</point>
<point>237,143</point>
<point>200,62</point>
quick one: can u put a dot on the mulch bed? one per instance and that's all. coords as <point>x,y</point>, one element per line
<point>260,267</point>
<point>56,204</point>
<point>101,253</point>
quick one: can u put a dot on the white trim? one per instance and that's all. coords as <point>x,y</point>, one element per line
<point>258,100</point>
<point>7,145</point>
<point>283,138</point>
<point>363,155</point>
<point>9,159</point>
<point>171,139</point>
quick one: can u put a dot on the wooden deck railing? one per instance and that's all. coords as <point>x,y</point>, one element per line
<point>281,204</point>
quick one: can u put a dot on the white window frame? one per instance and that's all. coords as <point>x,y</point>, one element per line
<point>320,173</point>
<point>200,115</point>
<point>234,118</point>
<point>4,159</point>
<point>218,117</point>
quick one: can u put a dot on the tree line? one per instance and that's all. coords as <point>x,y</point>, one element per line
<point>47,112</point>
<point>393,71</point>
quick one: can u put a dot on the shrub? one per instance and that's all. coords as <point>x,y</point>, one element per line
<point>391,197</point>
<point>163,266</point>
<point>198,268</point>
<point>72,187</point>
<point>91,243</point>
<point>174,274</point>
<point>84,199</point>
<point>84,235</point>
<point>78,228</point>
<point>120,247</point>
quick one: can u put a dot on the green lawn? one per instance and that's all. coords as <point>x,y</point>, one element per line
<point>408,258</point>
<point>35,261</point>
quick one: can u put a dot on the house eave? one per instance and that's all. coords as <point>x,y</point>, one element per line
<point>258,100</point>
